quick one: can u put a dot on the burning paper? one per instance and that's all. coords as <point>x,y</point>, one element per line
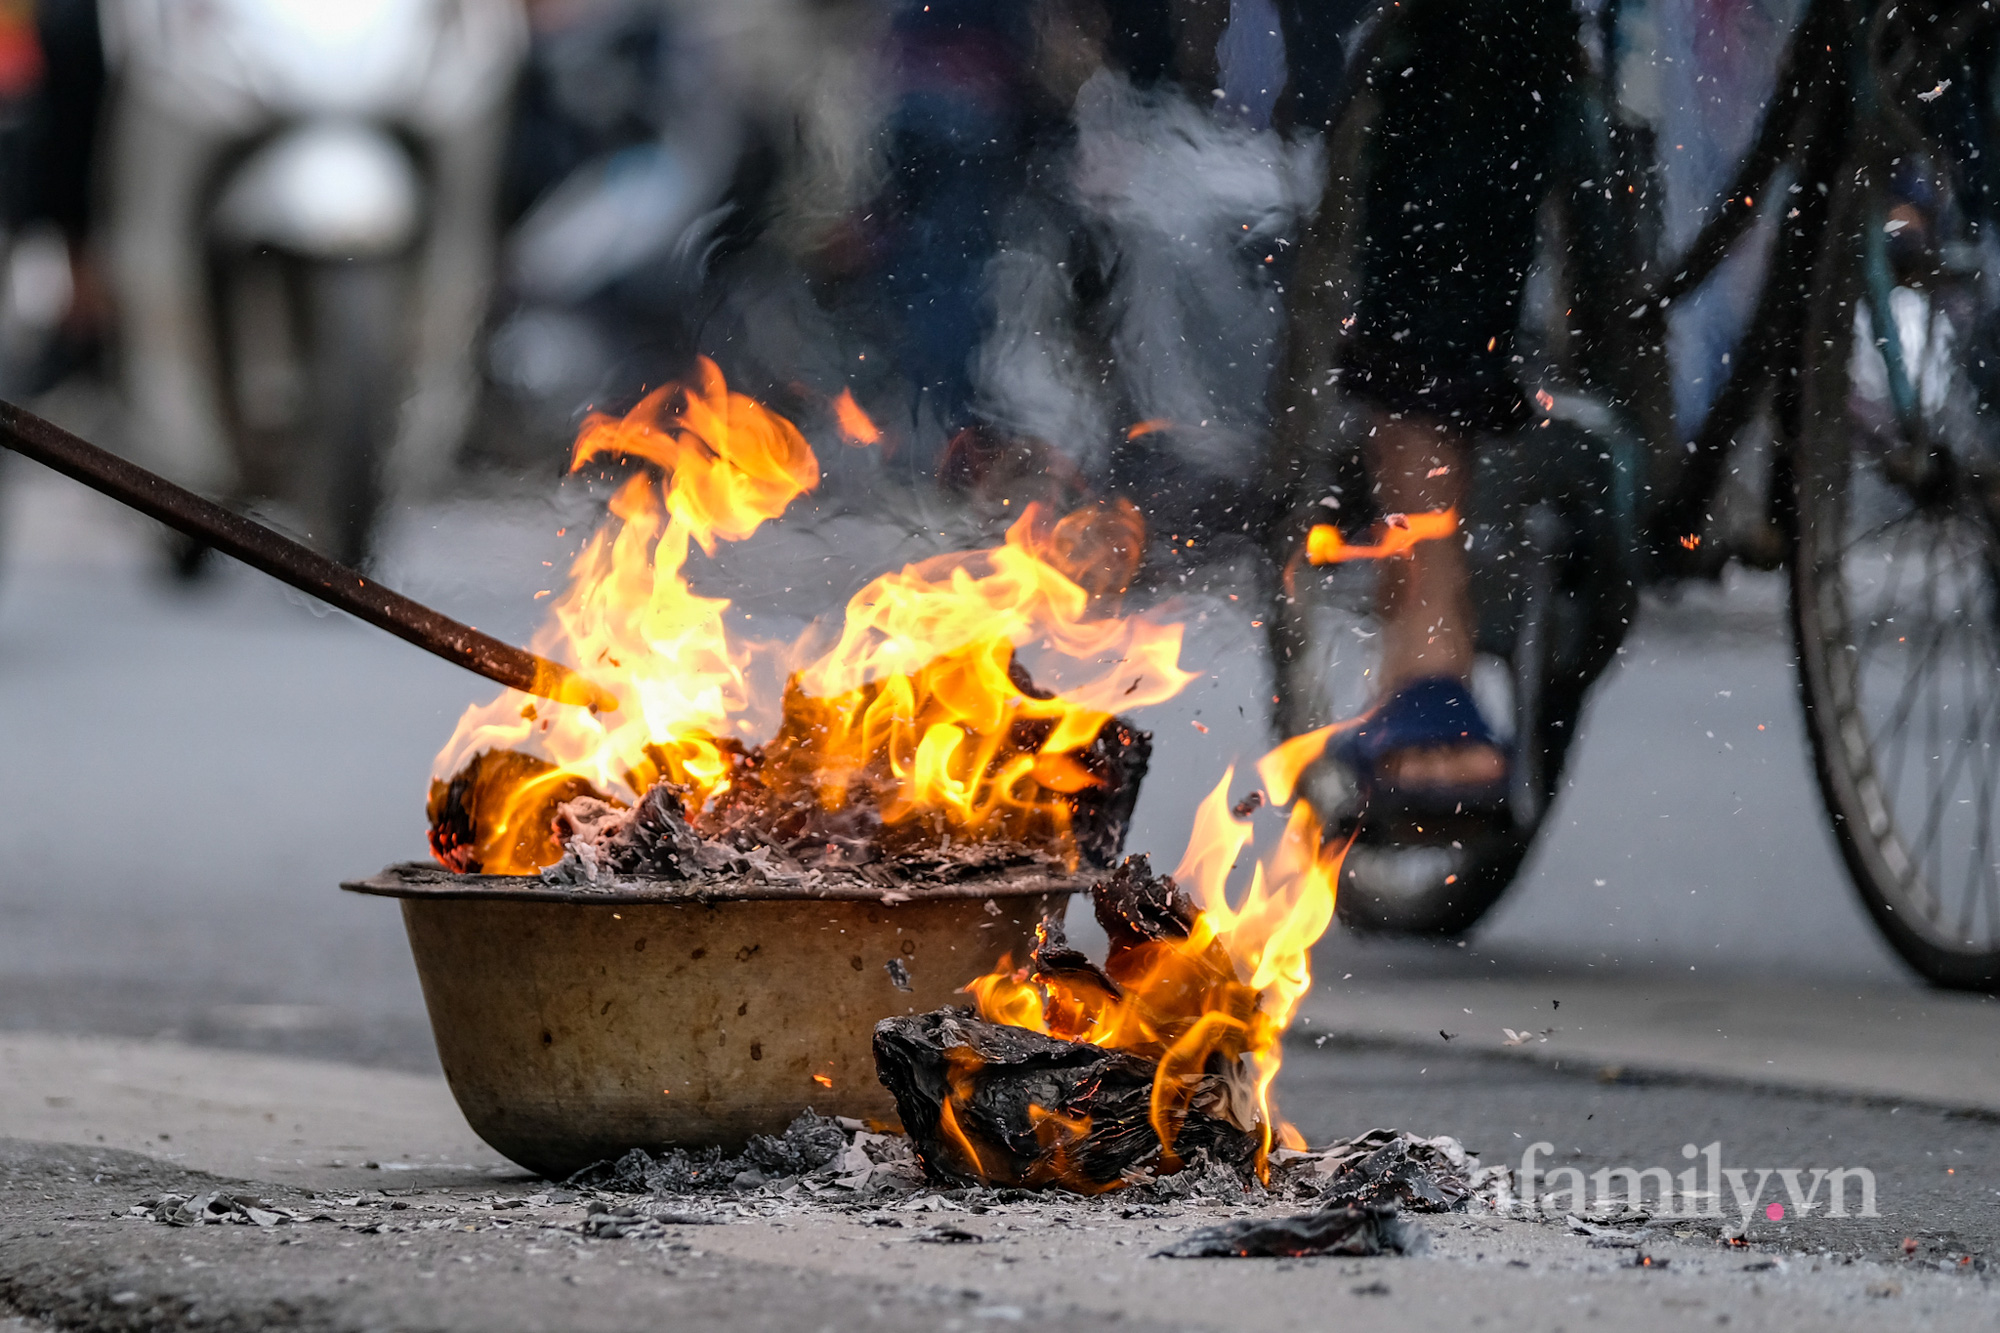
<point>1089,1077</point>
<point>917,726</point>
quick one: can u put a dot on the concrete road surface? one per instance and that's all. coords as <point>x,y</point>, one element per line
<point>405,1222</point>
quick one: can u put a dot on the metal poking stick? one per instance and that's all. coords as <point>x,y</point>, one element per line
<point>289,562</point>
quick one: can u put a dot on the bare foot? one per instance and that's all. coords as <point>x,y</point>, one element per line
<point>1425,598</point>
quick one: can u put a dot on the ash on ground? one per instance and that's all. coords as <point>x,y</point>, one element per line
<point>1358,1189</point>
<point>832,1165</point>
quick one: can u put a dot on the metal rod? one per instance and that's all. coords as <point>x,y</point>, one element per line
<point>289,562</point>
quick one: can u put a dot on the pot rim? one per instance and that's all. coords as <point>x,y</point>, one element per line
<point>422,880</point>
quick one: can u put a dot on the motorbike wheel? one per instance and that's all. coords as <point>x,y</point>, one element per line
<point>1896,584</point>
<point>352,316</point>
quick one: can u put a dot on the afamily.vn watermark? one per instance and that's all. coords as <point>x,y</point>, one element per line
<point>1705,1189</point>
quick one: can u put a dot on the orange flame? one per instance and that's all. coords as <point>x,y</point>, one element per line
<point>919,689</point>
<point>915,704</point>
<point>1224,995</point>
<point>855,426</point>
<point>1399,534</point>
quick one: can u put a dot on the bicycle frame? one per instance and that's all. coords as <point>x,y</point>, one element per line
<point>1827,118</point>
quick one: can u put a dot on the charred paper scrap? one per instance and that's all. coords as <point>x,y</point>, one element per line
<point>1369,1229</point>
<point>831,1155</point>
<point>213,1209</point>
<point>604,1221</point>
<point>1029,1102</point>
<point>1383,1166</point>
<point>1365,1185</point>
<point>988,1102</point>
<point>809,1143</point>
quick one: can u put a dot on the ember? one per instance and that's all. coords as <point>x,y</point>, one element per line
<point>917,731</point>
<point>1399,535</point>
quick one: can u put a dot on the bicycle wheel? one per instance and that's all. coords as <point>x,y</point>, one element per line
<point>1895,603</point>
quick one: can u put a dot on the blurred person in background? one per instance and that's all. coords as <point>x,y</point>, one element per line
<point>1471,105</point>
<point>300,230</point>
<point>903,198</point>
<point>53,308</point>
<point>1015,267</point>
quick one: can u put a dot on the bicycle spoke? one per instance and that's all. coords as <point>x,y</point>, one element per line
<point>1897,560</point>
<point>1987,784</point>
<point>1940,786</point>
<point>1943,772</point>
<point>1980,875</point>
<point>1937,789</point>
<point>1900,715</point>
<point>1878,530</point>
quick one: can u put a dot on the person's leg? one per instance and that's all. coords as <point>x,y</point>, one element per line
<point>1462,150</point>
<point>1425,599</point>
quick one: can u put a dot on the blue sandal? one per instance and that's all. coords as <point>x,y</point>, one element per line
<point>1433,713</point>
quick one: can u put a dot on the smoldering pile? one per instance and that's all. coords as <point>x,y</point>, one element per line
<point>774,821</point>
<point>842,1160</point>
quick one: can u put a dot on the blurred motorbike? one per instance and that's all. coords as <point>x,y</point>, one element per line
<point>624,149</point>
<point>301,229</point>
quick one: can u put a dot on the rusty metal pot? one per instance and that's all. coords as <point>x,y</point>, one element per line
<point>575,1025</point>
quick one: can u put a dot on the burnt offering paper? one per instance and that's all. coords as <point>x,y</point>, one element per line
<point>1383,1166</point>
<point>984,1101</point>
<point>1024,1106</point>
<point>1356,1231</point>
<point>506,812</point>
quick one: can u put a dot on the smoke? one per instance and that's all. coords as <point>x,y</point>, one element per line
<point>1186,218</point>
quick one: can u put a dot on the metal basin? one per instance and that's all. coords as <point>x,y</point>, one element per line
<point>574,1026</point>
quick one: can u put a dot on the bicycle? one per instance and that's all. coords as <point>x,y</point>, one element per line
<point>1873,355</point>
